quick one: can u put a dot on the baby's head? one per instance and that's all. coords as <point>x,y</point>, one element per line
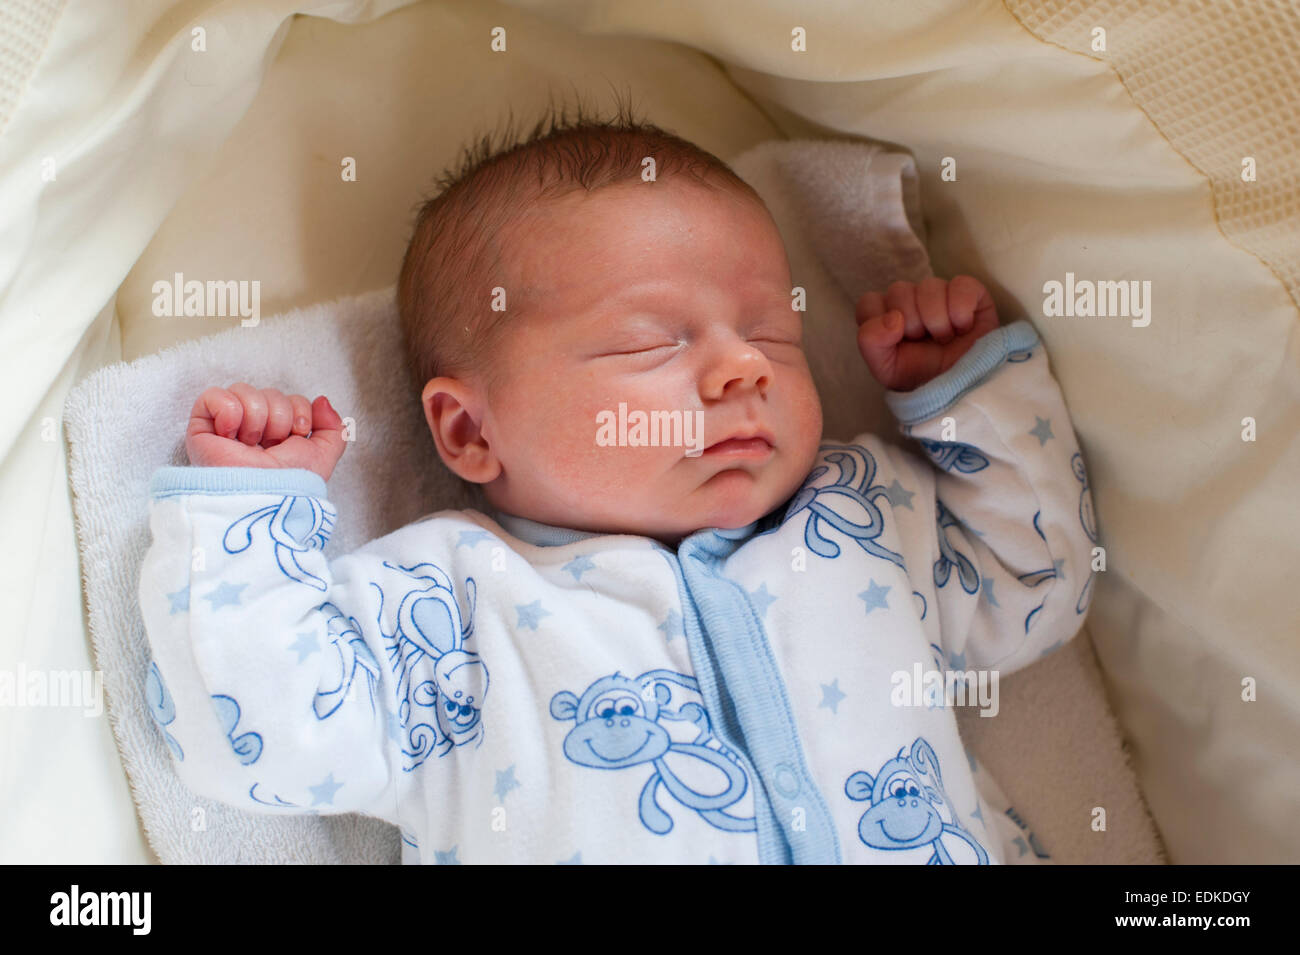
<point>553,281</point>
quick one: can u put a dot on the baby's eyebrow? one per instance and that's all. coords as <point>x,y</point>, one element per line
<point>669,294</point>
<point>641,292</point>
<point>668,305</point>
<point>665,302</point>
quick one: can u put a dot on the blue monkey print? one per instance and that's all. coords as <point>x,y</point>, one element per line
<point>936,654</point>
<point>954,456</point>
<point>949,556</point>
<point>1089,521</point>
<point>846,505</point>
<point>1086,517</point>
<point>352,654</point>
<point>921,597</point>
<point>278,803</point>
<point>904,811</point>
<point>1036,577</point>
<point>247,746</point>
<point>161,706</point>
<point>296,525</point>
<point>618,724</point>
<point>441,686</point>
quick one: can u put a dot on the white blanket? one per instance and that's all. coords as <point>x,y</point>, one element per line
<point>850,218</point>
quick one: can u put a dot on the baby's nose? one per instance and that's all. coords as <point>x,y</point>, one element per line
<point>741,368</point>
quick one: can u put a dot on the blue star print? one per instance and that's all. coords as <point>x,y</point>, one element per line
<point>1042,430</point>
<point>225,595</point>
<point>576,860</point>
<point>530,615</point>
<point>898,496</point>
<point>831,696</point>
<point>672,626</point>
<point>324,791</point>
<point>180,600</point>
<point>578,565</point>
<point>988,592</point>
<point>472,538</point>
<point>446,858</point>
<point>761,599</point>
<point>874,596</point>
<point>306,645</point>
<point>505,782</point>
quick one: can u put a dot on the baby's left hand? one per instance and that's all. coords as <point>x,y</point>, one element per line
<point>915,332</point>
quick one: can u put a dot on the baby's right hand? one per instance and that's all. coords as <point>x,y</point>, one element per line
<point>244,427</point>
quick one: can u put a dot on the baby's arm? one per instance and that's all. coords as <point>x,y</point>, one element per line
<point>1013,514</point>
<point>268,676</point>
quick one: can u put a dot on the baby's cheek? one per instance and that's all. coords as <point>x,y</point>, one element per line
<point>568,448</point>
<point>805,427</point>
<point>808,414</point>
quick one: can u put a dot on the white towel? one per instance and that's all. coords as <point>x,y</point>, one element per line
<point>849,213</point>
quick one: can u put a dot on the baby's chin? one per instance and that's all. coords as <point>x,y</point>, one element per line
<point>731,500</point>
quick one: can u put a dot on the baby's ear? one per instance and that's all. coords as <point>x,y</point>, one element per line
<point>453,410</point>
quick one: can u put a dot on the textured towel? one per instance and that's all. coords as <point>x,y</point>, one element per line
<point>849,214</point>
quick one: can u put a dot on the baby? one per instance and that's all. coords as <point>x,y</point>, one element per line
<point>646,652</point>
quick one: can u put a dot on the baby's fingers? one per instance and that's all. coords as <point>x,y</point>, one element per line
<point>932,304</point>
<point>971,305</point>
<point>302,415</point>
<point>279,417</point>
<point>216,411</point>
<point>327,434</point>
<point>902,296</point>
<point>878,339</point>
<point>255,412</point>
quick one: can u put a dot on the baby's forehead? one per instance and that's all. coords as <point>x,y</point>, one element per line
<point>620,241</point>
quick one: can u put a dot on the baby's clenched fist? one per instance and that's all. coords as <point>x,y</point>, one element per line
<point>915,332</point>
<point>246,427</point>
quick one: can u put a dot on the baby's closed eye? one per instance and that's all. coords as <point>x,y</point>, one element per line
<point>639,347</point>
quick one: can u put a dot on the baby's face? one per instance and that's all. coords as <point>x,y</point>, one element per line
<point>669,297</point>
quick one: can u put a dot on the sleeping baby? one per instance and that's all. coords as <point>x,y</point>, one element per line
<point>683,630</point>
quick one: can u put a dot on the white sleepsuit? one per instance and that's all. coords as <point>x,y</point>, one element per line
<point>507,691</point>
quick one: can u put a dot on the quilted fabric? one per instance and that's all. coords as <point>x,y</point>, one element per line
<point>1221,81</point>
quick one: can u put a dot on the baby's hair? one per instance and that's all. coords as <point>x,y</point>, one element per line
<point>454,258</point>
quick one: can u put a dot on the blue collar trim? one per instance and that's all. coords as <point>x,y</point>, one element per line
<point>713,540</point>
<point>537,533</point>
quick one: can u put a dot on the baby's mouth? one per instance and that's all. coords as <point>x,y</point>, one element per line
<point>756,447</point>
